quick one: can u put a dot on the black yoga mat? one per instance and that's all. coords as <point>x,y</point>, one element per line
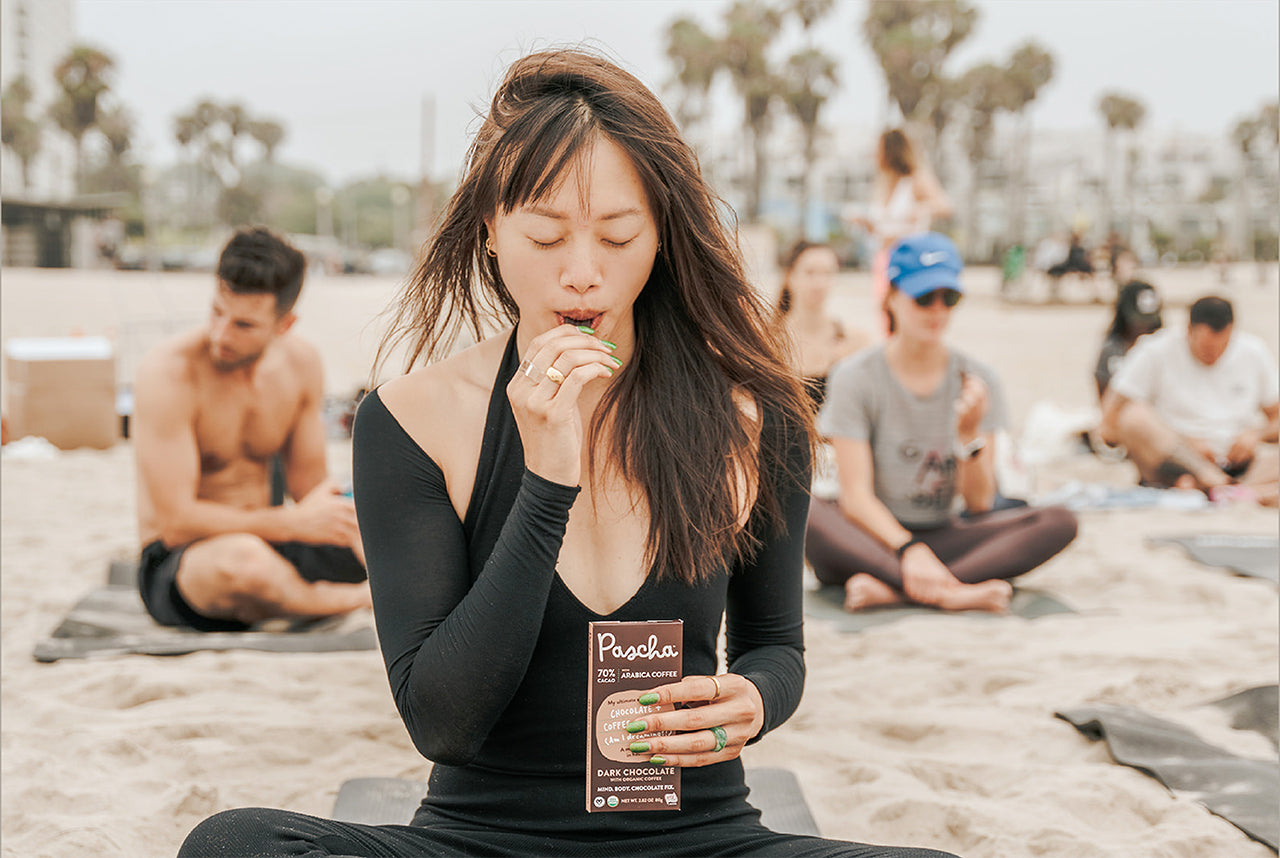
<point>392,801</point>
<point>111,621</point>
<point>827,603</point>
<point>1245,792</point>
<point>1244,554</point>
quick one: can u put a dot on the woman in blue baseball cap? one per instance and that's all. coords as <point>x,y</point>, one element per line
<point>912,423</point>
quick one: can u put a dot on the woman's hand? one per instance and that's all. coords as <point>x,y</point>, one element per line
<point>544,399</point>
<point>971,406</point>
<point>729,702</point>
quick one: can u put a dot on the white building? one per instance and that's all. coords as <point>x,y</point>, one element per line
<point>34,36</point>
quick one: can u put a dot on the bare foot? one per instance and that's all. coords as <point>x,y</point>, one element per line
<point>1186,481</point>
<point>867,591</point>
<point>1268,494</point>
<point>992,596</point>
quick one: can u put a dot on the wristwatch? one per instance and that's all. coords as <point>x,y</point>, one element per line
<point>965,452</point>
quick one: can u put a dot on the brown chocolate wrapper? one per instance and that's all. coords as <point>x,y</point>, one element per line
<point>628,659</point>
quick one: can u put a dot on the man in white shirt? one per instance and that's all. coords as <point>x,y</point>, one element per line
<point>1193,409</point>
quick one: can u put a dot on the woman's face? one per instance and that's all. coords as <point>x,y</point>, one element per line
<point>580,256</point>
<point>811,276</point>
<point>927,324</point>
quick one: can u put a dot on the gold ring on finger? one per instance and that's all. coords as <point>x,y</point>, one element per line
<point>715,696</point>
<point>555,375</point>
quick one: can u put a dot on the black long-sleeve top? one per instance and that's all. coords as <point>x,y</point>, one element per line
<point>486,648</point>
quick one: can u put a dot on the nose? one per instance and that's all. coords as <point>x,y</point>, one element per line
<point>581,270</point>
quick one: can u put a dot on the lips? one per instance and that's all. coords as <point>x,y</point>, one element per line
<point>586,318</point>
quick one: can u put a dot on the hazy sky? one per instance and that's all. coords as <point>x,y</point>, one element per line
<point>348,78</point>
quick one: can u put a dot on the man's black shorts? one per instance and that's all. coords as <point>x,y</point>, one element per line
<point>158,573</point>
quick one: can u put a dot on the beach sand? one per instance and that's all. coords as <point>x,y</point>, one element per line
<point>935,731</point>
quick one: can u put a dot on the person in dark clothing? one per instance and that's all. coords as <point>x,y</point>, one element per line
<point>634,448</point>
<point>1138,308</point>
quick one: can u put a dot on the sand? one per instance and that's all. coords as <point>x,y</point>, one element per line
<point>937,731</point>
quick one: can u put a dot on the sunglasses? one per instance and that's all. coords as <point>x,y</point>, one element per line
<point>950,297</point>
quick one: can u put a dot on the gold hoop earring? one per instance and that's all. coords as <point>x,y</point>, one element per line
<point>488,247</point>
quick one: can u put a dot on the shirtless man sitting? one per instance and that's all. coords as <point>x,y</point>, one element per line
<point>1193,407</point>
<point>213,407</point>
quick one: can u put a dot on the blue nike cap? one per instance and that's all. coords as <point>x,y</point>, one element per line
<point>921,263</point>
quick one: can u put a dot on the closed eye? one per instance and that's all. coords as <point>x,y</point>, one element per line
<point>612,243</point>
<point>545,243</point>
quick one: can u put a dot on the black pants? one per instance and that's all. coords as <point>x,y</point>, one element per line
<point>274,833</point>
<point>1001,544</point>
<point>158,580</point>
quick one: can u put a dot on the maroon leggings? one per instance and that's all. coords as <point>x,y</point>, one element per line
<point>1001,544</point>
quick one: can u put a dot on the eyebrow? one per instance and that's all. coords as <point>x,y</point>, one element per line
<point>555,215</point>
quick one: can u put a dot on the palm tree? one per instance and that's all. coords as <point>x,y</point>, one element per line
<point>269,134</point>
<point>810,12</point>
<point>911,43</point>
<point>750,28</point>
<point>695,55</point>
<point>983,91</point>
<point>1244,135</point>
<point>82,74</point>
<point>116,125</point>
<point>18,131</point>
<point>1029,70</point>
<point>808,81</point>
<point>1124,113</point>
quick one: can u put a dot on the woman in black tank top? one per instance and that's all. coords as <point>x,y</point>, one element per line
<point>634,448</point>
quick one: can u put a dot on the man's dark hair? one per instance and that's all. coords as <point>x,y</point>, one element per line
<point>1212,311</point>
<point>256,261</point>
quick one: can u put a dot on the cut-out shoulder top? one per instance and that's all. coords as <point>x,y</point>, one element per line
<point>486,647</point>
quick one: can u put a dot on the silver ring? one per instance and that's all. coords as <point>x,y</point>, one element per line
<point>527,369</point>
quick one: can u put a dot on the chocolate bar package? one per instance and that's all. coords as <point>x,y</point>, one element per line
<point>628,659</point>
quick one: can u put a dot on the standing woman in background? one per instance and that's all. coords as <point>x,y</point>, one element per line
<point>906,200</point>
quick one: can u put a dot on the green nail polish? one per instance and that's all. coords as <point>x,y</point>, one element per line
<point>648,699</point>
<point>639,747</point>
<point>637,727</point>
<point>586,330</point>
<point>616,359</point>
<point>609,344</point>
<point>658,761</point>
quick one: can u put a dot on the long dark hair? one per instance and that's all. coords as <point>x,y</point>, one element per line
<point>897,153</point>
<point>702,333</point>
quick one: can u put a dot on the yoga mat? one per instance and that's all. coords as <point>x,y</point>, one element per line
<point>1256,709</point>
<point>1245,792</point>
<point>827,603</point>
<point>111,620</point>
<point>393,801</point>
<point>1254,556</point>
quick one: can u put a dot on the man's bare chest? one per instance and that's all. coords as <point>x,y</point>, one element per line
<point>233,425</point>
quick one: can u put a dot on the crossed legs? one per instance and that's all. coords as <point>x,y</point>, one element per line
<point>242,577</point>
<point>992,547</point>
<point>1164,458</point>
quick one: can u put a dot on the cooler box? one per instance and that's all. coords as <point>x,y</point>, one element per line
<point>62,389</point>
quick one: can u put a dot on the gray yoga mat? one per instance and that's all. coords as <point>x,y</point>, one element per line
<point>392,801</point>
<point>827,603</point>
<point>1245,792</point>
<point>111,620</point>
<point>1244,554</point>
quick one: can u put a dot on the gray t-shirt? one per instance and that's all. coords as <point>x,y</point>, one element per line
<point>912,438</point>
